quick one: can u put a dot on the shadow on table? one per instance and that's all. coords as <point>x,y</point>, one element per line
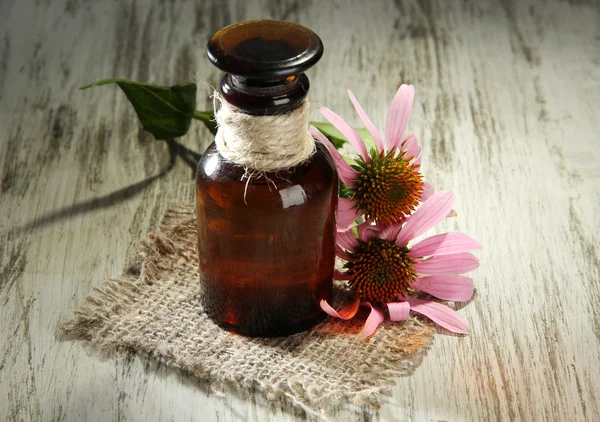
<point>175,150</point>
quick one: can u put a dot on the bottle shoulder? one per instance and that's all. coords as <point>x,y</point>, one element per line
<point>222,180</point>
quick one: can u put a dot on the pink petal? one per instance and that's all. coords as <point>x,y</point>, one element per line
<point>347,213</point>
<point>366,231</point>
<point>390,232</point>
<point>428,191</point>
<point>410,144</point>
<point>347,204</point>
<point>457,263</point>
<point>446,287</point>
<point>418,159</point>
<point>398,310</point>
<point>440,314</point>
<point>373,321</point>
<point>348,131</point>
<point>367,122</point>
<point>347,240</point>
<point>342,253</point>
<point>347,173</point>
<point>346,313</point>
<point>338,275</point>
<point>444,244</point>
<point>398,116</point>
<point>426,216</point>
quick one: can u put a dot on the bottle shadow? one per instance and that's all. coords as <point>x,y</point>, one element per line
<point>176,150</point>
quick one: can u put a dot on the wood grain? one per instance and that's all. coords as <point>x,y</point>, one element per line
<point>506,110</point>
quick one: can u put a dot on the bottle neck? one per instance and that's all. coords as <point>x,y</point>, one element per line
<point>264,143</point>
<point>263,97</point>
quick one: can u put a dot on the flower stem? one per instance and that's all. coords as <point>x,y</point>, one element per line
<point>205,116</point>
<point>208,118</point>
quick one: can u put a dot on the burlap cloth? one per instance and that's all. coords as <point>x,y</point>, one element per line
<point>156,310</point>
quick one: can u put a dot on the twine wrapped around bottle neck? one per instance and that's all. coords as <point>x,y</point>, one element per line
<point>264,143</point>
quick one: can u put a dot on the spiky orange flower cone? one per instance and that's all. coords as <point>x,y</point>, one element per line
<point>388,188</point>
<point>384,184</point>
<point>385,271</point>
<point>380,270</point>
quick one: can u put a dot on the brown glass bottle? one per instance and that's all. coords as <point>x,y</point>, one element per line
<point>266,244</point>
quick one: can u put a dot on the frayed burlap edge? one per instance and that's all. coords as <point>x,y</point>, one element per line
<point>158,312</point>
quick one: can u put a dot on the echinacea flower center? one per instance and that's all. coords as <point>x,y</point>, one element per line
<point>389,187</point>
<point>380,270</point>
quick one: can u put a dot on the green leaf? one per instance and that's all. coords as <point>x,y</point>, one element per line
<point>336,137</point>
<point>164,111</point>
<point>344,191</point>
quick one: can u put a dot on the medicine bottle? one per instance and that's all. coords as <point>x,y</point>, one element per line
<point>266,238</point>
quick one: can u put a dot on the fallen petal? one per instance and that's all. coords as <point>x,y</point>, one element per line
<point>373,321</point>
<point>398,310</point>
<point>345,313</point>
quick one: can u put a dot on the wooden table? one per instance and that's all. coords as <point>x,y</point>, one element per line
<point>506,109</point>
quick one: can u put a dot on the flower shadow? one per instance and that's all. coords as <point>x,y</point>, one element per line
<point>121,195</point>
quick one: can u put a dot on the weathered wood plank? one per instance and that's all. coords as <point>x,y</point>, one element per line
<point>506,110</point>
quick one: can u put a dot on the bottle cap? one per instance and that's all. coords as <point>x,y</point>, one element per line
<point>265,61</point>
<point>264,49</point>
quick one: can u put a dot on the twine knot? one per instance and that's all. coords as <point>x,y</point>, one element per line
<point>264,143</point>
